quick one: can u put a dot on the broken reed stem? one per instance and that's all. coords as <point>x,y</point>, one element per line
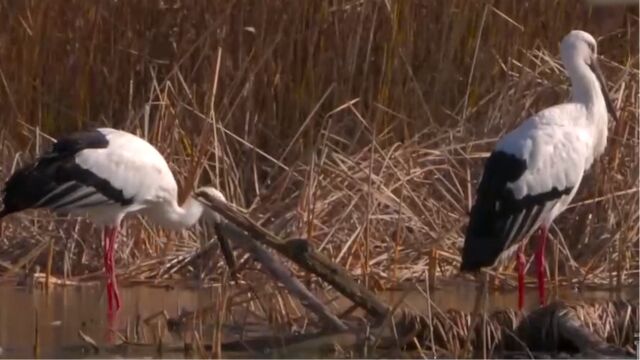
<point>369,210</point>
<point>220,317</point>
<point>430,317</point>
<point>49,266</point>
<point>478,314</point>
<point>36,334</point>
<point>433,266</point>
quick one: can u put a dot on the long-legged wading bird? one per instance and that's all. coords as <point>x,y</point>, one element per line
<point>106,174</point>
<point>535,170</point>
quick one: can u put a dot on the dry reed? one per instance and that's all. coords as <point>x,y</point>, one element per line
<point>360,125</point>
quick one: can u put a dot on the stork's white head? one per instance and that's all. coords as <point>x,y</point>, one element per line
<point>209,192</point>
<point>578,46</point>
<point>206,195</point>
<point>579,52</point>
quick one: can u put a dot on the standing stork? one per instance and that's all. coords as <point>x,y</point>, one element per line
<point>535,170</point>
<point>106,174</point>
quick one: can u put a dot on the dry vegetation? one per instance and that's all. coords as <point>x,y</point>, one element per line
<point>582,331</point>
<point>361,125</point>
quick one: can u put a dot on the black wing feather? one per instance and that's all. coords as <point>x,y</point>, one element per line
<point>56,176</point>
<point>499,220</point>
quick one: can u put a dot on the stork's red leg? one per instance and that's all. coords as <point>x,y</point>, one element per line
<point>110,271</point>
<point>116,293</point>
<point>521,265</point>
<point>113,298</point>
<point>540,266</point>
<point>106,235</point>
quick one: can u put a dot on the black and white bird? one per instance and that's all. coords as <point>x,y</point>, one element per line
<point>535,170</point>
<point>107,174</point>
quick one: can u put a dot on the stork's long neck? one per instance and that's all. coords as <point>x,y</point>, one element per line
<point>178,217</point>
<point>586,90</point>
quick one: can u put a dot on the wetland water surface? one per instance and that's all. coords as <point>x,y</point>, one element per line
<point>64,311</point>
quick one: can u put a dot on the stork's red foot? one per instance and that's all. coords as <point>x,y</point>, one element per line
<point>113,297</point>
<point>540,265</point>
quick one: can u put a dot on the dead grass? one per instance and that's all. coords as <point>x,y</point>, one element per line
<point>360,125</point>
<point>557,330</point>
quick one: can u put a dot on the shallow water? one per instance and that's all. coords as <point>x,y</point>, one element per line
<point>64,311</point>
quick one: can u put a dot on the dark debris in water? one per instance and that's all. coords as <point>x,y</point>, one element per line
<point>554,331</point>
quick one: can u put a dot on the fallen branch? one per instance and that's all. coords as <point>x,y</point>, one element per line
<point>278,271</point>
<point>302,253</point>
<point>559,327</point>
<point>556,330</point>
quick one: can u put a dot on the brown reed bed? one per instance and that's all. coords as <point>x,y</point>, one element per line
<point>557,330</point>
<point>361,126</point>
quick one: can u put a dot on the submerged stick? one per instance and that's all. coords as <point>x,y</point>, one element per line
<point>49,267</point>
<point>278,271</point>
<point>89,341</point>
<point>557,329</point>
<point>300,252</point>
<point>36,336</point>
<point>478,315</point>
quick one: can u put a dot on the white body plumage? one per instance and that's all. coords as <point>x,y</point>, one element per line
<point>536,169</point>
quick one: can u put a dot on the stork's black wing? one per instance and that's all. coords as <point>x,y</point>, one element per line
<point>55,180</point>
<point>499,219</point>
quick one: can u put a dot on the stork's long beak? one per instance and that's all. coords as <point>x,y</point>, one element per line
<point>603,86</point>
<point>225,247</point>
<point>227,252</point>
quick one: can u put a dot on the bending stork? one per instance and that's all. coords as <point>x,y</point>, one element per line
<point>535,170</point>
<point>106,174</point>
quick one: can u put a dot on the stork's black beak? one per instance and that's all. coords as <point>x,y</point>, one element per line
<point>603,86</point>
<point>225,247</point>
<point>227,252</point>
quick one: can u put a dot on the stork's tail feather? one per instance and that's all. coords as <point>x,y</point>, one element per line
<point>27,186</point>
<point>477,255</point>
<point>482,246</point>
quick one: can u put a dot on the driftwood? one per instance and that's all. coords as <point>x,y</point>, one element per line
<point>557,330</point>
<point>277,270</point>
<point>301,252</point>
